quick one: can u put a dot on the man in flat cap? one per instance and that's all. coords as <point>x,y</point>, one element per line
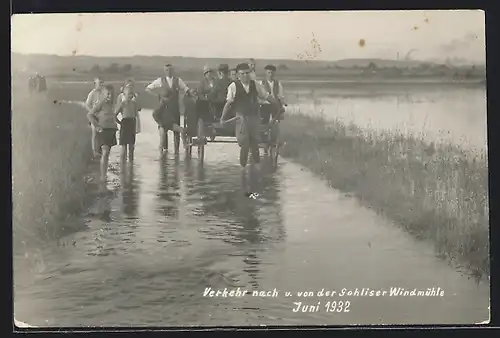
<point>168,115</point>
<point>205,93</point>
<point>243,95</point>
<point>276,108</point>
<point>219,94</point>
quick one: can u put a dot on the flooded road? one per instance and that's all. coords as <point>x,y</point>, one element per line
<point>173,228</point>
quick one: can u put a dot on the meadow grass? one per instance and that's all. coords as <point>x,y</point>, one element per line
<point>437,192</point>
<point>50,156</point>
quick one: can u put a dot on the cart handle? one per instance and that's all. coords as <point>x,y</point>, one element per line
<point>231,120</point>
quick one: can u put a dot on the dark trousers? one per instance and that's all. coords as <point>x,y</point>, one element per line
<point>166,116</point>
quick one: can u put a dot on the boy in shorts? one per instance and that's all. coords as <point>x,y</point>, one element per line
<point>103,119</point>
<point>129,108</point>
<point>93,98</point>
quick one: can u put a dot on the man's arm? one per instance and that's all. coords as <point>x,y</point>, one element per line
<point>185,88</point>
<point>88,102</point>
<point>231,94</point>
<point>91,115</point>
<point>118,110</point>
<point>281,95</point>
<point>152,86</point>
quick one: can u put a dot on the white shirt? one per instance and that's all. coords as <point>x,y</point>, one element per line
<point>279,95</point>
<point>93,98</point>
<point>159,84</point>
<point>231,91</point>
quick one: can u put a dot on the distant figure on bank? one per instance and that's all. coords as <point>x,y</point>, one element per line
<point>167,114</point>
<point>135,96</point>
<point>103,119</point>
<point>32,84</point>
<point>244,94</point>
<point>41,83</point>
<point>95,96</point>
<point>129,108</point>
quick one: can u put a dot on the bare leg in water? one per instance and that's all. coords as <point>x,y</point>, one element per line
<point>104,165</point>
<point>94,141</point>
<point>131,149</point>
<point>163,140</point>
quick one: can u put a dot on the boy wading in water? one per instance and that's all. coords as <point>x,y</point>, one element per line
<point>129,108</point>
<point>120,97</point>
<point>103,119</point>
<point>167,115</point>
<point>243,95</point>
<point>93,98</point>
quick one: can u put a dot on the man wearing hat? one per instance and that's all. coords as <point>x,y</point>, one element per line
<point>276,108</point>
<point>220,91</point>
<point>243,95</point>
<point>167,114</point>
<point>205,93</point>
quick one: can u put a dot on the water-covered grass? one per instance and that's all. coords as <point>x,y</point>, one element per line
<point>437,192</point>
<point>51,152</point>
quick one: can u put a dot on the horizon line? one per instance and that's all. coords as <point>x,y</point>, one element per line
<point>430,60</point>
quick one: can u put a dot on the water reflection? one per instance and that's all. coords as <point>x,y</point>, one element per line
<point>242,209</point>
<point>130,193</point>
<point>168,189</point>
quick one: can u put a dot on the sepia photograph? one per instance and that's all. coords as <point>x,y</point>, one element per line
<point>229,169</point>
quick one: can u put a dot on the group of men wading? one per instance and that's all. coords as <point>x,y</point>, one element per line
<point>230,91</point>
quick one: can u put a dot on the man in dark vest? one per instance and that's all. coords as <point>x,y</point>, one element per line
<point>274,110</point>
<point>243,95</point>
<point>219,94</point>
<point>167,114</point>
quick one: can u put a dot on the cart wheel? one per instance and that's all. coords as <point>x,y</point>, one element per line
<point>201,139</point>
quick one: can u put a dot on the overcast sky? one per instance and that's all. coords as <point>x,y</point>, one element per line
<point>337,35</point>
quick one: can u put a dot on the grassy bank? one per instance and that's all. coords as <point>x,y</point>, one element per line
<point>51,152</point>
<point>436,192</point>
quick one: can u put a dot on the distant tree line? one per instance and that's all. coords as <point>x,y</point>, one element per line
<point>113,68</point>
<point>423,69</point>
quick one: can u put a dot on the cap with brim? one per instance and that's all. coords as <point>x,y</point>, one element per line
<point>270,67</point>
<point>206,69</point>
<point>242,66</point>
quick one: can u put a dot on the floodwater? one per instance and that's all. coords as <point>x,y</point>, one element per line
<point>173,228</point>
<point>438,113</point>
